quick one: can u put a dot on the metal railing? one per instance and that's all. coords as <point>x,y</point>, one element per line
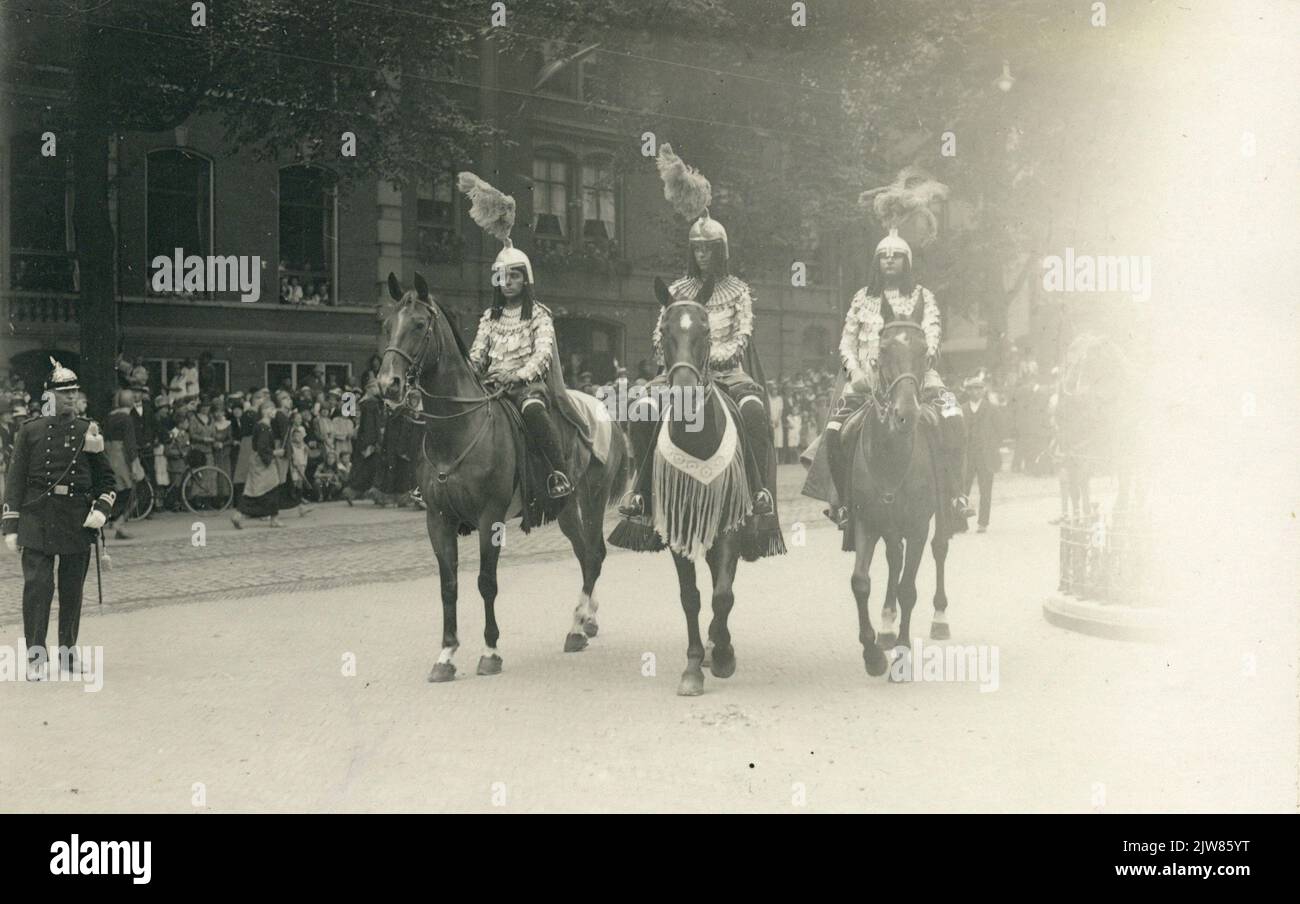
<point>1104,558</point>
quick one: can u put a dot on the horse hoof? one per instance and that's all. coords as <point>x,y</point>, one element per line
<point>442,671</point>
<point>589,627</point>
<point>575,642</point>
<point>489,665</point>
<point>875,660</point>
<point>723,662</point>
<point>940,631</point>
<point>900,664</point>
<point>692,683</point>
<point>887,640</point>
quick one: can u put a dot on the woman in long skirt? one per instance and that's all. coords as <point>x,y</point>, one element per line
<point>261,497</point>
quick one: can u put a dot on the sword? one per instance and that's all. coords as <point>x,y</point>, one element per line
<point>99,580</point>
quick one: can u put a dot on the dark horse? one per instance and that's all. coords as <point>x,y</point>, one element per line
<point>894,486</point>
<point>469,461</point>
<point>701,496</point>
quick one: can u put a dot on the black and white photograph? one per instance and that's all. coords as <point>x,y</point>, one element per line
<point>650,407</point>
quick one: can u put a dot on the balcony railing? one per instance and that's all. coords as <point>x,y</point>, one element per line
<point>23,308</point>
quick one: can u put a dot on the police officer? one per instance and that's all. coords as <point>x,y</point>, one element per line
<point>59,492</point>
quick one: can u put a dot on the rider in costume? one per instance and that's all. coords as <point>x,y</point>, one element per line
<point>516,336</point>
<point>905,204</point>
<point>731,328</point>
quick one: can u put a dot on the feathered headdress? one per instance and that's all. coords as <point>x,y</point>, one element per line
<point>684,187</point>
<point>494,212</point>
<point>491,209</point>
<point>904,204</point>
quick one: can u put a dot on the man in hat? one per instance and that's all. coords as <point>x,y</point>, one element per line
<point>983,445</point>
<point>515,344</point>
<point>365,446</point>
<point>59,493</point>
<point>731,328</point>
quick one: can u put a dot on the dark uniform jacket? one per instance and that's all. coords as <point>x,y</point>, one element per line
<point>983,437</point>
<point>52,485</point>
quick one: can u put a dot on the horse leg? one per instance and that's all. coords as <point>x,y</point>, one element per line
<point>939,624</point>
<point>692,683</point>
<point>571,523</point>
<point>722,558</point>
<point>914,552</point>
<point>889,614</point>
<point>593,503</point>
<point>864,542</point>
<point>489,551</point>
<point>442,534</point>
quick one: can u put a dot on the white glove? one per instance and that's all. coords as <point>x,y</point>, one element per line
<point>95,520</point>
<point>94,439</point>
<point>11,542</point>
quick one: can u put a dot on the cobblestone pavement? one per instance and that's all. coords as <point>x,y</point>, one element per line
<point>334,546</point>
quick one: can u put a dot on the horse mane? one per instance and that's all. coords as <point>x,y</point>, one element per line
<point>453,320</point>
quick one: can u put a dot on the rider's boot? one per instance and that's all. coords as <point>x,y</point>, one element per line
<point>839,512</point>
<point>544,435</point>
<point>635,506</point>
<point>758,433</point>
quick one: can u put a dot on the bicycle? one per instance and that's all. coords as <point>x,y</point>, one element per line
<point>197,480</point>
<point>141,502</point>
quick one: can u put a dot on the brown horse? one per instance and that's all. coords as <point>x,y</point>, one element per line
<point>701,501</point>
<point>468,465</point>
<point>894,487</point>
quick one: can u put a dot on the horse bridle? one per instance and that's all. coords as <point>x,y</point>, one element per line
<point>884,401</point>
<point>703,374</point>
<point>414,376</point>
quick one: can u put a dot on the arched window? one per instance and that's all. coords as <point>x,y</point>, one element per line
<point>307,235</point>
<point>550,196</point>
<point>599,201</point>
<point>179,203</point>
<point>41,249</point>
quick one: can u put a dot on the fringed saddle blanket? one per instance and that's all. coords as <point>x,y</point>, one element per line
<point>696,500</point>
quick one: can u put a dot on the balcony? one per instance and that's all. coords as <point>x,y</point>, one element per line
<point>34,310</point>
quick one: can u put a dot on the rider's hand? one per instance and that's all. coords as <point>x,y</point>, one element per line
<point>95,520</point>
<point>11,542</point>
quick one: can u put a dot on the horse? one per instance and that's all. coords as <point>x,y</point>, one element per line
<point>894,489</point>
<point>470,455</point>
<point>702,499</point>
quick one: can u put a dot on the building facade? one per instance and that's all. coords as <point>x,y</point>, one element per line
<point>593,223</point>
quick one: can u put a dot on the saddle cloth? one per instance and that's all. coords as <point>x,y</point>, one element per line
<point>531,502</point>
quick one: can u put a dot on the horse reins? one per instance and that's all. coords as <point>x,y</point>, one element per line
<point>883,401</point>
<point>414,376</point>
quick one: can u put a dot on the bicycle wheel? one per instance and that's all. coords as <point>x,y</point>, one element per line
<point>207,489</point>
<point>141,503</point>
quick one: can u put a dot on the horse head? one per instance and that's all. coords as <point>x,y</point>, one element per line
<point>901,367</point>
<point>418,333</point>
<point>684,335</point>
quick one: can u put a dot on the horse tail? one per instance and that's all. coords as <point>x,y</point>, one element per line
<point>619,465</point>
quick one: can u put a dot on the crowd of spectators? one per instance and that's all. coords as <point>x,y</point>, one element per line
<point>165,431</point>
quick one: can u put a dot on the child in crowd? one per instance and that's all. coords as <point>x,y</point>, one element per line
<point>326,479</point>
